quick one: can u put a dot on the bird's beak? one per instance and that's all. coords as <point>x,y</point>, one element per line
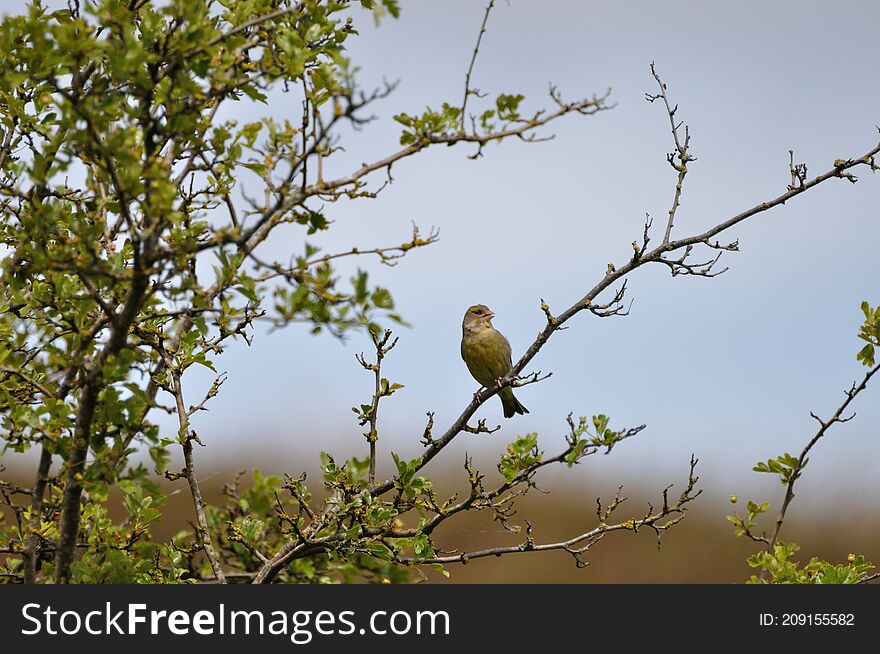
<point>490,315</point>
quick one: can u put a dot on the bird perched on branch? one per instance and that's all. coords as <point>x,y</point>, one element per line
<point>487,355</point>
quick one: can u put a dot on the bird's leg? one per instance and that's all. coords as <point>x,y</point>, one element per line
<point>477,395</point>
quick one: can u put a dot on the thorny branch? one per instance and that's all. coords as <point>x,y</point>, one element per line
<point>499,499</point>
<point>580,544</point>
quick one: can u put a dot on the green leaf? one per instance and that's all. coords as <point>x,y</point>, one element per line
<point>161,457</point>
<point>866,356</point>
<point>254,94</point>
<point>508,105</point>
<point>382,298</point>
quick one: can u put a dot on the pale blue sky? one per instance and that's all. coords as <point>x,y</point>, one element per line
<point>727,368</point>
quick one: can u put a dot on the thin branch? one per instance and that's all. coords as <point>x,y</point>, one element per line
<point>468,91</point>
<point>387,255</point>
<point>187,167</point>
<point>27,379</point>
<point>254,22</point>
<point>32,541</point>
<point>187,438</point>
<point>681,151</point>
<point>581,543</point>
<point>824,426</point>
<point>798,172</point>
<point>380,390</point>
<point>108,311</point>
<point>6,147</point>
<point>586,107</point>
<point>869,578</point>
<point>479,496</point>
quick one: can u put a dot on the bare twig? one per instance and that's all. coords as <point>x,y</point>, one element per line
<point>824,426</point>
<point>580,544</point>
<point>468,91</point>
<point>388,256</point>
<point>869,578</point>
<point>680,158</point>
<point>798,172</point>
<point>482,498</point>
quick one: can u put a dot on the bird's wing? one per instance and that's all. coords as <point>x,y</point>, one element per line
<point>507,350</point>
<point>498,356</point>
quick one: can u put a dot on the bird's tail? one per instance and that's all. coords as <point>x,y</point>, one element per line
<point>511,404</point>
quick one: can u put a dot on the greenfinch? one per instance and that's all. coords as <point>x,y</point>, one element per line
<point>487,355</point>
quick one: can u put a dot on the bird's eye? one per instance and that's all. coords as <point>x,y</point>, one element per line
<point>479,312</point>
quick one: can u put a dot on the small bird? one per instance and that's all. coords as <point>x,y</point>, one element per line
<point>487,355</point>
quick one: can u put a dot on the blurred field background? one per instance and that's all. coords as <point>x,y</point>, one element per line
<point>701,549</point>
<point>727,369</point>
